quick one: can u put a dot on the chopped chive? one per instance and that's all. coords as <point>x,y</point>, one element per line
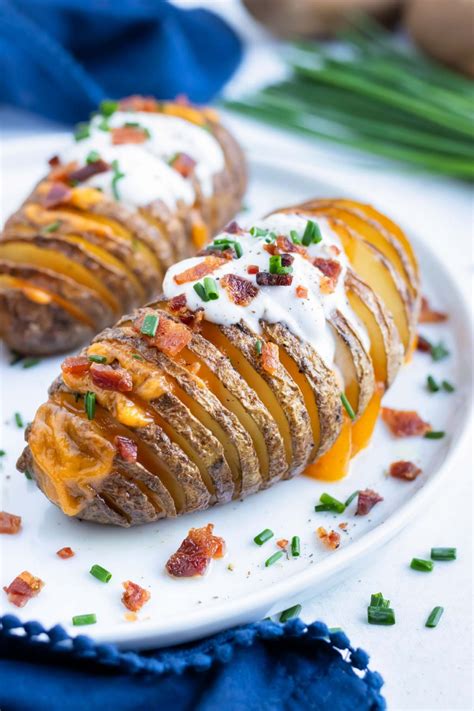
<point>380,616</point>
<point>100,573</point>
<point>258,232</point>
<point>89,404</point>
<point>378,600</point>
<point>424,566</point>
<point>295,546</point>
<point>97,359</point>
<point>312,234</point>
<point>238,249</point>
<point>149,325</point>
<point>79,620</point>
<point>263,536</point>
<point>92,157</point>
<point>28,475</point>
<point>434,435</point>
<point>273,558</point>
<point>323,507</point>
<point>258,347</point>
<point>18,419</point>
<point>108,107</point>
<point>351,498</point>
<point>276,265</point>
<point>439,352</point>
<point>335,504</point>
<point>104,125</point>
<point>295,238</point>
<point>200,291</point>
<point>347,406</point>
<point>225,243</point>
<point>137,357</point>
<point>443,553</point>
<point>434,616</point>
<point>431,384</point>
<point>30,362</point>
<point>2,452</point>
<point>52,227</point>
<point>447,386</point>
<point>82,131</point>
<point>210,287</point>
<point>290,612</point>
<point>117,175</point>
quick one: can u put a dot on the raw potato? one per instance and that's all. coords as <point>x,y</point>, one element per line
<point>444,29</point>
<point>60,286</point>
<point>210,423</point>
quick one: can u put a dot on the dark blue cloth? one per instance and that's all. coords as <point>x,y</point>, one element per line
<point>60,58</point>
<point>264,666</point>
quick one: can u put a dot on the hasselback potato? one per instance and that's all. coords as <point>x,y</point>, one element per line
<point>267,355</point>
<point>145,183</point>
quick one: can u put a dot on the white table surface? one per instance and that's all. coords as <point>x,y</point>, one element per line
<point>423,669</point>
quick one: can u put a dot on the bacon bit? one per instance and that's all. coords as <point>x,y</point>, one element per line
<point>404,470</point>
<point>54,161</point>
<point>267,279</point>
<point>227,253</point>
<point>9,523</point>
<point>200,270</point>
<point>331,540</point>
<point>87,171</point>
<point>170,337</point>
<point>283,244</point>
<point>128,134</point>
<point>233,228</point>
<point>405,423</point>
<point>422,344</point>
<point>127,449</point>
<point>366,501</point>
<point>58,194</point>
<point>331,269</point>
<point>177,303</point>
<point>134,596</point>
<point>60,173</point>
<point>183,164</point>
<point>239,290</point>
<point>76,365</point>
<point>253,269</point>
<point>195,553</point>
<point>343,526</point>
<point>427,315</point>
<point>108,378</point>
<point>65,553</point>
<point>23,588</point>
<point>301,292</point>
<point>270,358</point>
<point>282,543</point>
<point>139,103</point>
<point>334,250</point>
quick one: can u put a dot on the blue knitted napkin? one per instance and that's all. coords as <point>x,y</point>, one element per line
<point>263,666</point>
<point>60,58</point>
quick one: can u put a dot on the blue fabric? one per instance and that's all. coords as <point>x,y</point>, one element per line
<point>264,666</point>
<point>60,58</point>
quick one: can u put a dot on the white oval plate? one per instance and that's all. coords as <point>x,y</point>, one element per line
<point>239,588</point>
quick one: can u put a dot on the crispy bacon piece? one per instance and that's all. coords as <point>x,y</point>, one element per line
<point>404,470</point>
<point>200,270</point>
<point>331,269</point>
<point>282,543</point>
<point>9,523</point>
<point>23,588</point>
<point>331,540</point>
<point>65,553</point>
<point>343,526</point>
<point>128,134</point>
<point>177,303</point>
<point>267,279</point>
<point>170,337</point>
<point>61,172</point>
<point>301,292</point>
<point>366,501</point>
<point>139,103</point>
<point>58,194</point>
<point>227,253</point>
<point>233,228</point>
<point>270,357</point>
<point>239,290</point>
<point>87,171</point>
<point>134,596</point>
<point>422,344</point>
<point>54,161</point>
<point>252,269</point>
<point>76,365</point>
<point>283,245</point>
<point>405,423</point>
<point>195,553</point>
<point>108,378</point>
<point>183,164</point>
<point>427,315</point>
<point>127,449</point>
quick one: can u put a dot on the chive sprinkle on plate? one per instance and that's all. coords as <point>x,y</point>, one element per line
<point>295,546</point>
<point>263,536</point>
<point>100,573</point>
<point>79,620</point>
<point>274,558</point>
<point>424,566</point>
<point>443,553</point>
<point>18,419</point>
<point>290,613</point>
<point>434,617</point>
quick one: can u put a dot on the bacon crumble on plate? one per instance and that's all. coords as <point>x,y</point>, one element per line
<point>428,315</point>
<point>24,587</point>
<point>331,270</point>
<point>366,500</point>
<point>134,596</point>
<point>239,290</point>
<point>195,553</point>
<point>405,423</point>
<point>9,523</point>
<point>65,553</point>
<point>422,344</point>
<point>253,269</point>
<point>407,471</point>
<point>270,358</point>
<point>301,292</point>
<point>200,270</point>
<point>331,539</point>
<point>283,543</point>
<point>127,449</point>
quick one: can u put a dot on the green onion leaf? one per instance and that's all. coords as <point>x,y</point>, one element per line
<point>431,384</point>
<point>79,620</point>
<point>380,616</point>
<point>97,359</point>
<point>200,291</point>
<point>104,125</point>
<point>295,546</point>
<point>52,227</point>
<point>117,175</point>
<point>378,600</point>
<point>258,232</point>
<point>439,352</point>
<point>82,131</point>
<point>351,498</point>
<point>263,536</point>
<point>447,386</point>
<point>312,234</point>
<point>210,287</point>
<point>89,404</point>
<point>100,573</point>
<point>335,504</point>
<point>434,435</point>
<point>92,157</point>
<point>137,357</point>
<point>434,616</point>
<point>290,613</point>
<point>108,107</point>
<point>323,507</point>
<point>18,419</point>
<point>2,453</point>
<point>273,558</point>
<point>30,362</point>
<point>443,553</point>
<point>424,566</point>
<point>258,347</point>
<point>347,406</point>
<point>149,325</point>
<point>295,238</point>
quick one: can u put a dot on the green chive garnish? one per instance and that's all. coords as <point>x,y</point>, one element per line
<point>424,566</point>
<point>200,291</point>
<point>323,507</point>
<point>295,546</point>
<point>97,359</point>
<point>434,435</point>
<point>290,612</point>
<point>380,616</point>
<point>92,157</point>
<point>82,131</point>
<point>100,573</point>
<point>104,125</point>
<point>79,620</point>
<point>149,325</point>
<point>30,362</point>
<point>226,243</point>
<point>378,600</point>
<point>28,475</point>
<point>431,384</point>
<point>434,616</point>
<point>312,234</point>
<point>89,404</point>
<point>258,347</point>
<point>108,107</point>
<point>210,287</point>
<point>273,558</point>
<point>295,238</point>
<point>351,498</point>
<point>238,249</point>
<point>258,232</point>
<point>117,175</point>
<point>2,452</point>
<point>439,352</point>
<point>137,357</point>
<point>443,553</point>
<point>263,536</point>
<point>335,504</point>
<point>447,386</point>
<point>276,266</point>
<point>52,227</point>
<point>18,419</point>
<point>347,406</point>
